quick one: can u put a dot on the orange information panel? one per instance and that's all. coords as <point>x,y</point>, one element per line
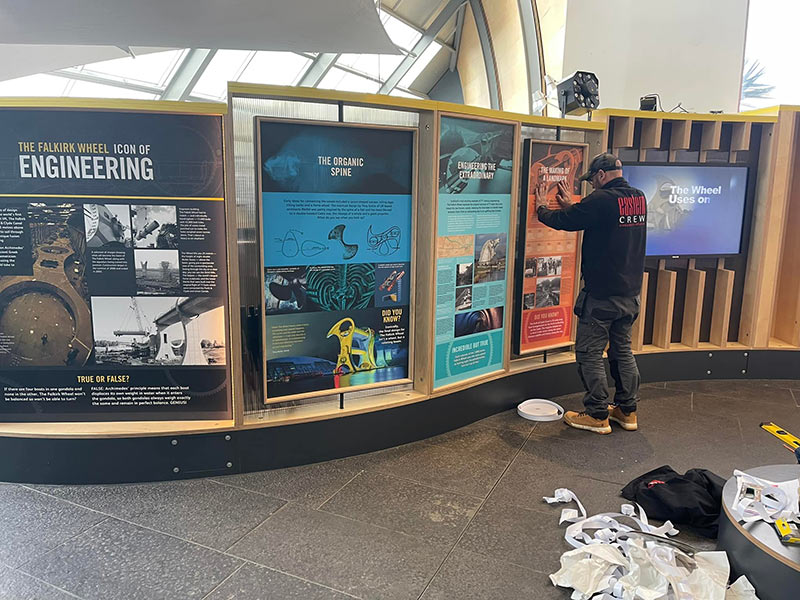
<point>547,269</point>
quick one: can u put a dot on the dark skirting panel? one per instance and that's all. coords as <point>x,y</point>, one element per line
<point>164,457</point>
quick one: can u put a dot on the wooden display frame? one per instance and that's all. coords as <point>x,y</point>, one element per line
<point>257,121</point>
<point>766,268</point>
<point>141,425</point>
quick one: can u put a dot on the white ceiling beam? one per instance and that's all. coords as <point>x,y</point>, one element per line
<point>188,74</point>
<point>318,69</point>
<point>426,40</point>
<point>111,81</point>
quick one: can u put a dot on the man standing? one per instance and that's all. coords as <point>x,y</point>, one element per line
<point>614,220</point>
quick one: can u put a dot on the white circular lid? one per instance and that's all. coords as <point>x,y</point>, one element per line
<point>538,409</point>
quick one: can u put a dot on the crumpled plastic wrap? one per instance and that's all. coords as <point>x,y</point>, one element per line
<point>614,563</point>
<point>741,589</point>
<point>763,500</point>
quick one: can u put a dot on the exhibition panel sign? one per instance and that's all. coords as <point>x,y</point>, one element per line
<point>472,240</point>
<point>337,204</point>
<point>547,259</point>
<point>113,266</point>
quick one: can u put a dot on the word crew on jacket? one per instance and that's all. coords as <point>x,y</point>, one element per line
<point>614,221</point>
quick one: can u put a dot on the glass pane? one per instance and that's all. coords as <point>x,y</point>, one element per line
<point>379,66</point>
<point>770,66</point>
<point>422,62</point>
<point>84,89</point>
<point>403,94</point>
<point>227,65</point>
<point>275,68</point>
<point>153,68</point>
<point>553,22</point>
<point>337,79</point>
<point>34,85</point>
<point>401,34</point>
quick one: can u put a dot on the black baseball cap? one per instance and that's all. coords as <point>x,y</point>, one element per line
<point>602,162</point>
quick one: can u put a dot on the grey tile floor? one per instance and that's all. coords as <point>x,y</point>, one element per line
<point>459,516</point>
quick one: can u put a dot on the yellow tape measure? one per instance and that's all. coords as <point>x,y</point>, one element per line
<point>787,531</point>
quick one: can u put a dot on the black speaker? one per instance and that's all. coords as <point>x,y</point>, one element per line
<point>579,93</point>
<point>648,102</point>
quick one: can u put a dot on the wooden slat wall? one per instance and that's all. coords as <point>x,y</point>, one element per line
<point>723,299</point>
<point>670,320</point>
<point>786,325</point>
<point>650,136</point>
<point>778,147</point>
<point>665,305</point>
<point>680,138</point>
<point>624,128</point>
<point>710,139</point>
<point>740,139</point>
<point>693,306</point>
<point>637,333</point>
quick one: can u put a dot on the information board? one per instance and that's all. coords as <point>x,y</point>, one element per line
<point>547,259</point>
<point>336,210</point>
<point>473,212</point>
<point>113,266</point>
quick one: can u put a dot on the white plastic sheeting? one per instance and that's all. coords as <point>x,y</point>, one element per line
<point>614,560</point>
<point>19,60</point>
<point>763,500</point>
<point>297,26</point>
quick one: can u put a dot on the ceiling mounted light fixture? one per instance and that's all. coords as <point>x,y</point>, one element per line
<point>579,93</point>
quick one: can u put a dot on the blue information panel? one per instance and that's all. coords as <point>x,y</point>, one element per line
<point>475,183</point>
<point>336,217</point>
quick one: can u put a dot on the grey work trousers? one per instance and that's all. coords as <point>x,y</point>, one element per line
<point>600,323</point>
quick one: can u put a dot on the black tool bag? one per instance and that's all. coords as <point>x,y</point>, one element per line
<point>693,499</point>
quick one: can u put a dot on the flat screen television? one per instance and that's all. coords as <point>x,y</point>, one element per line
<point>692,210</point>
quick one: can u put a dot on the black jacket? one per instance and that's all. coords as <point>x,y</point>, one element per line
<point>693,499</point>
<point>614,220</point>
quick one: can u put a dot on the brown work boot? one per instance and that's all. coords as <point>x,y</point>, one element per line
<point>582,420</point>
<point>628,422</point>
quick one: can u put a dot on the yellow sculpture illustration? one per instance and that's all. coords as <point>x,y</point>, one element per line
<point>347,354</point>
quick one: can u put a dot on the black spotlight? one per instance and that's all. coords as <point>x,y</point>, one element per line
<point>579,93</point>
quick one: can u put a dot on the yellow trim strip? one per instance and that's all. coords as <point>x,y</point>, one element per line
<point>309,93</point>
<point>775,110</point>
<point>524,119</point>
<point>668,116</point>
<point>203,198</point>
<point>164,106</point>
<point>769,110</point>
<point>395,102</point>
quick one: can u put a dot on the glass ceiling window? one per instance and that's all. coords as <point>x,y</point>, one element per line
<point>227,65</point>
<point>85,89</point>
<point>153,69</point>
<point>403,94</point>
<point>338,79</point>
<point>149,75</point>
<point>34,85</point>
<point>275,68</point>
<point>376,66</point>
<point>401,34</point>
<point>770,69</point>
<point>380,66</point>
<point>422,62</point>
